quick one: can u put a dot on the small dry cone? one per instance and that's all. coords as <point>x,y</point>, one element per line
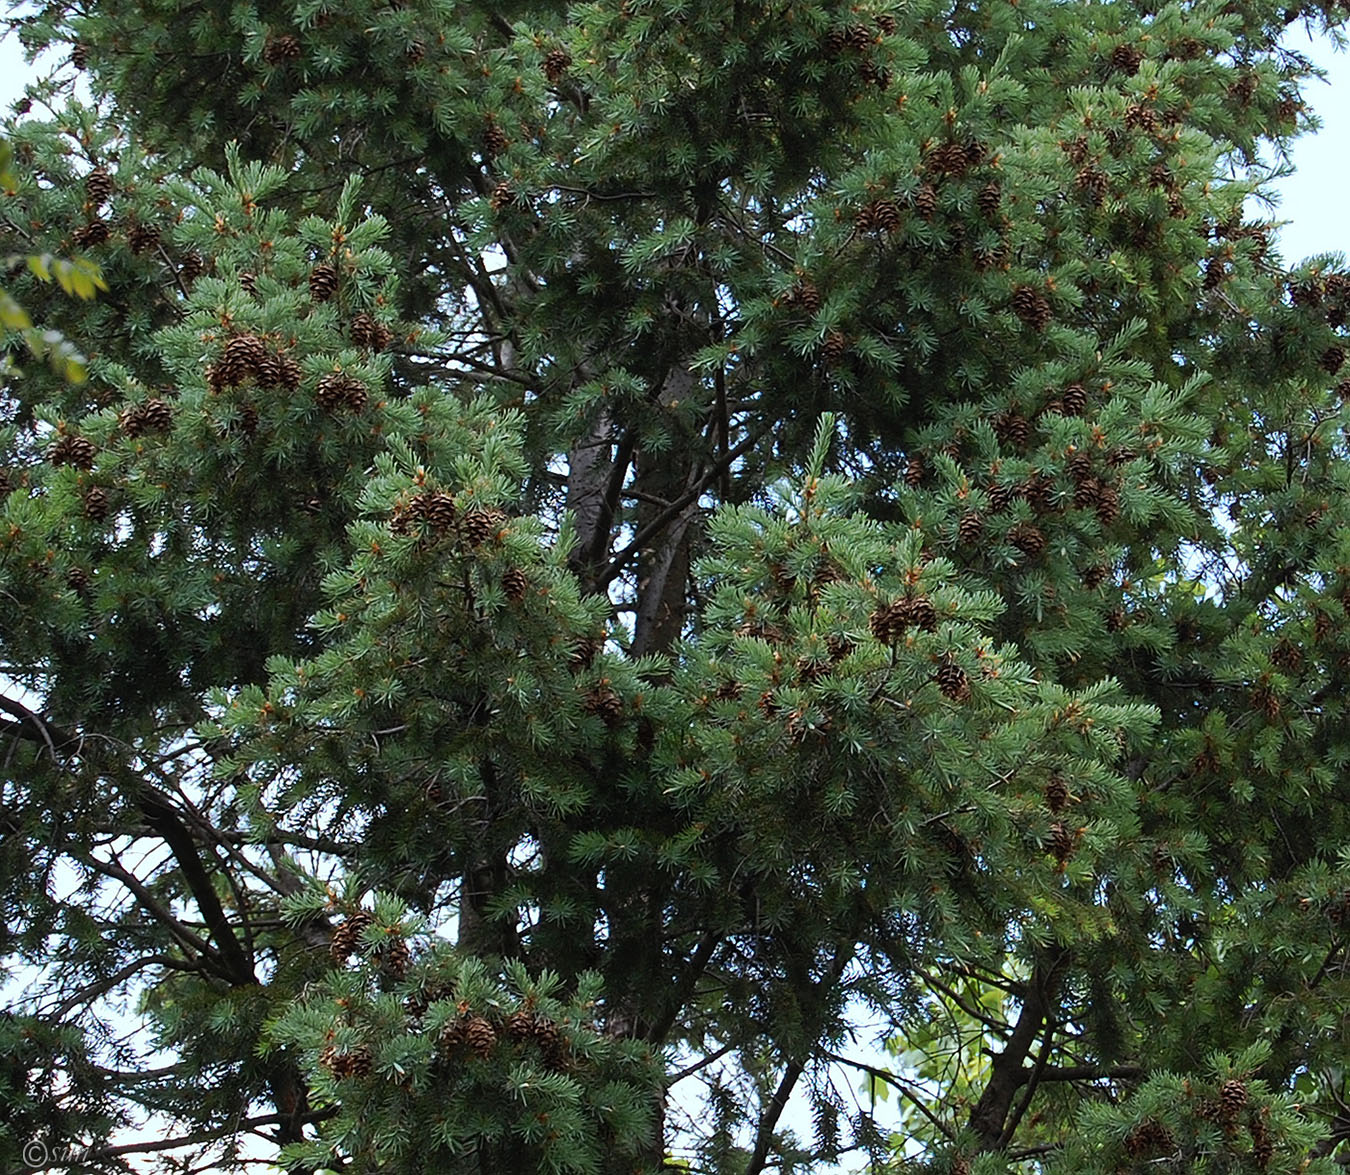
<point>515,585</point>
<point>1060,843</point>
<point>192,266</point>
<point>970,529</point>
<point>77,579</point>
<point>278,371</point>
<point>96,232</point>
<point>1027,538</point>
<point>1012,428</point>
<point>242,357</point>
<point>879,216</point>
<point>98,187</point>
<point>72,450</point>
<point>97,504</point>
<point>1074,400</point>
<point>605,704</point>
<point>323,282</point>
<point>79,57</point>
<point>519,1026</point>
<point>480,526</point>
<point>1232,1097</point>
<point>805,297</point>
<point>556,63</point>
<point>584,651</point>
<point>142,237</point>
<point>989,200</point>
<point>356,1063</point>
<point>394,957</point>
<point>337,390</point>
<point>1056,794</point>
<point>1148,1138</point>
<point>1332,360</point>
<point>479,1035</point>
<point>544,1033</point>
<point>1127,58</point>
<point>280,50</point>
<point>833,348</point>
<point>952,681</point>
<point>154,415</point>
<point>914,471</point>
<point>347,936</point>
<point>1032,307</point>
<point>495,140</point>
<point>925,201</point>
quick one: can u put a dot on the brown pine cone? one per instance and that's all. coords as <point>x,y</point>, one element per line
<point>1232,1097</point>
<point>98,187</point>
<point>1056,794</point>
<point>72,450</point>
<point>1127,58</point>
<point>515,585</point>
<point>1027,538</point>
<point>604,703</point>
<point>338,389</point>
<point>394,956</point>
<point>925,201</point>
<point>1032,307</point>
<point>280,50</point>
<point>479,1035</point>
<point>834,348</point>
<point>347,937</point>
<point>96,232</point>
<point>481,526</point>
<point>97,504</point>
<point>323,282</point>
<point>952,681</point>
<point>970,529</point>
<point>914,471</point>
<point>1074,400</point>
<point>142,237</point>
<point>242,357</point>
<point>989,200</point>
<point>556,63</point>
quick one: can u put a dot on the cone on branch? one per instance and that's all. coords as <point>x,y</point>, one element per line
<point>154,415</point>
<point>72,450</point>
<point>141,238</point>
<point>970,529</point>
<point>87,236</point>
<point>97,503</point>
<point>952,681</point>
<point>337,390</point>
<point>98,187</point>
<point>347,937</point>
<point>556,63</point>
<point>481,526</point>
<point>1032,307</point>
<point>515,585</point>
<point>281,49</point>
<point>242,357</point>
<point>604,703</point>
<point>344,1065</point>
<point>323,282</point>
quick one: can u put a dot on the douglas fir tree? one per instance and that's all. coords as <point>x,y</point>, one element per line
<point>614,555</point>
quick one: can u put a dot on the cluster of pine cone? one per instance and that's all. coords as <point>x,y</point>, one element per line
<point>247,357</point>
<point>890,621</point>
<point>153,415</point>
<point>480,1035</point>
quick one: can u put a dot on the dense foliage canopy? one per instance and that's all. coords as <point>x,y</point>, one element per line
<point>705,584</point>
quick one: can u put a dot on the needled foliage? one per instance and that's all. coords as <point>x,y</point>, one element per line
<point>654,585</point>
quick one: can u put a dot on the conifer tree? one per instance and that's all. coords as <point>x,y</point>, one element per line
<point>612,555</point>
